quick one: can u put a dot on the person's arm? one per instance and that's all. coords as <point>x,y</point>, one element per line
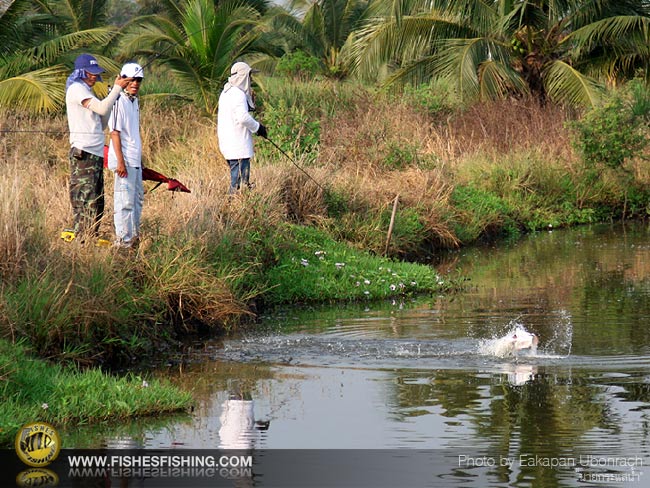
<point>103,107</point>
<point>117,148</point>
<point>241,115</point>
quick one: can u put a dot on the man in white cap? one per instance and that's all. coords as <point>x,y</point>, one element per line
<point>125,158</point>
<point>236,126</point>
<point>87,118</point>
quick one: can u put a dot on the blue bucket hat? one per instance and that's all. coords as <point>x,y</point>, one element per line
<point>88,63</point>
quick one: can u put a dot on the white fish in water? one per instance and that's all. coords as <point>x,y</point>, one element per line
<point>515,342</point>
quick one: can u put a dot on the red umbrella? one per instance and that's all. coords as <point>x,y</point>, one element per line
<point>149,174</point>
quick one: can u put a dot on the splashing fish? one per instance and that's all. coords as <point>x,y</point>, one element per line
<point>518,341</point>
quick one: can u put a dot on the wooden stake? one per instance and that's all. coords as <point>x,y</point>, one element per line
<point>392,222</point>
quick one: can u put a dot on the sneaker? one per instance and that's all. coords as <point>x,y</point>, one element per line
<point>103,243</point>
<point>120,244</point>
<point>68,235</point>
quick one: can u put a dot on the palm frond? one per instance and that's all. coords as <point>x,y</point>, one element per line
<point>459,61</point>
<point>50,51</point>
<point>565,84</point>
<point>496,80</point>
<point>609,31</point>
<point>384,41</point>
<point>11,24</point>
<point>199,50</point>
<point>36,91</point>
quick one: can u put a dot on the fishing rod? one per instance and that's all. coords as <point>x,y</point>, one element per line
<point>296,164</point>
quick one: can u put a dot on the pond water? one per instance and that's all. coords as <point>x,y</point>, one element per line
<point>427,376</point>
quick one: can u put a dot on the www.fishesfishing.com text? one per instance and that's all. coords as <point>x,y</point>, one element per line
<point>159,465</point>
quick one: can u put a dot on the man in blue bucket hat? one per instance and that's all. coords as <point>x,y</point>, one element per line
<point>87,119</point>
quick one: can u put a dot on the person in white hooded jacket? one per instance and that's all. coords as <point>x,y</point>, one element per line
<point>236,126</point>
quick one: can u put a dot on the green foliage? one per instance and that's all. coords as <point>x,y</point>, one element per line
<point>291,128</point>
<point>319,98</point>
<point>409,231</point>
<point>119,12</point>
<point>196,42</point>
<point>435,99</point>
<point>50,309</point>
<point>640,98</point>
<point>312,267</point>
<point>39,42</point>
<point>558,50</point>
<point>31,389</point>
<point>336,203</point>
<point>481,214</point>
<point>611,134</point>
<point>298,65</point>
<point>400,155</point>
<point>323,30</point>
<point>114,308</point>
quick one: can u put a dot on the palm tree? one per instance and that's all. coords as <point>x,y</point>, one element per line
<point>322,28</point>
<point>38,41</point>
<point>197,41</point>
<point>558,49</point>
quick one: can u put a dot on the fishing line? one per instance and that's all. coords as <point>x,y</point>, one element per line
<point>296,164</point>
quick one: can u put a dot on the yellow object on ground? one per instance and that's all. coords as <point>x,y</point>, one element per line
<point>67,235</point>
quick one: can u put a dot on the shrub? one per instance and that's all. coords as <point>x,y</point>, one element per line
<point>298,65</point>
<point>481,214</point>
<point>291,129</point>
<point>611,134</point>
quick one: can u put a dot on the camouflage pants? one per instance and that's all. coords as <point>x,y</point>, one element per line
<point>87,192</point>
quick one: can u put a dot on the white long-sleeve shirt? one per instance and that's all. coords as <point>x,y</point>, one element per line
<point>235,126</point>
<point>87,124</point>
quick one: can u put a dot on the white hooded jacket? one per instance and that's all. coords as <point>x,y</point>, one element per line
<point>235,125</point>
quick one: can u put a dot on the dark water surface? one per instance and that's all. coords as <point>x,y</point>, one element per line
<point>427,375</point>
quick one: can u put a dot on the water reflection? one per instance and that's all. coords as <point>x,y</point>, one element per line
<point>239,429</point>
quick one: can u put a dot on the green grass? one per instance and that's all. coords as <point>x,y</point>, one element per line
<point>35,390</point>
<point>314,268</point>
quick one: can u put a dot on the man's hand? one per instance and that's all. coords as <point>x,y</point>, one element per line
<point>121,169</point>
<point>262,132</point>
<point>122,82</point>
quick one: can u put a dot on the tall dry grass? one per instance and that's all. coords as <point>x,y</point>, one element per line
<point>501,127</point>
<point>80,301</point>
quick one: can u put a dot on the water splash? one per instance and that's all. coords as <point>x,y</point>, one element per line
<point>561,339</point>
<point>506,345</point>
<point>556,344</point>
<point>359,345</point>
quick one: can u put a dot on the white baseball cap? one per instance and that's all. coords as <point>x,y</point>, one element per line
<point>132,70</point>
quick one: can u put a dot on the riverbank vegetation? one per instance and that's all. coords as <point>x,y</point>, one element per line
<point>34,389</point>
<point>315,227</point>
<point>389,153</point>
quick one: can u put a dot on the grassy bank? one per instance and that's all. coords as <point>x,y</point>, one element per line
<point>35,390</point>
<point>315,228</point>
